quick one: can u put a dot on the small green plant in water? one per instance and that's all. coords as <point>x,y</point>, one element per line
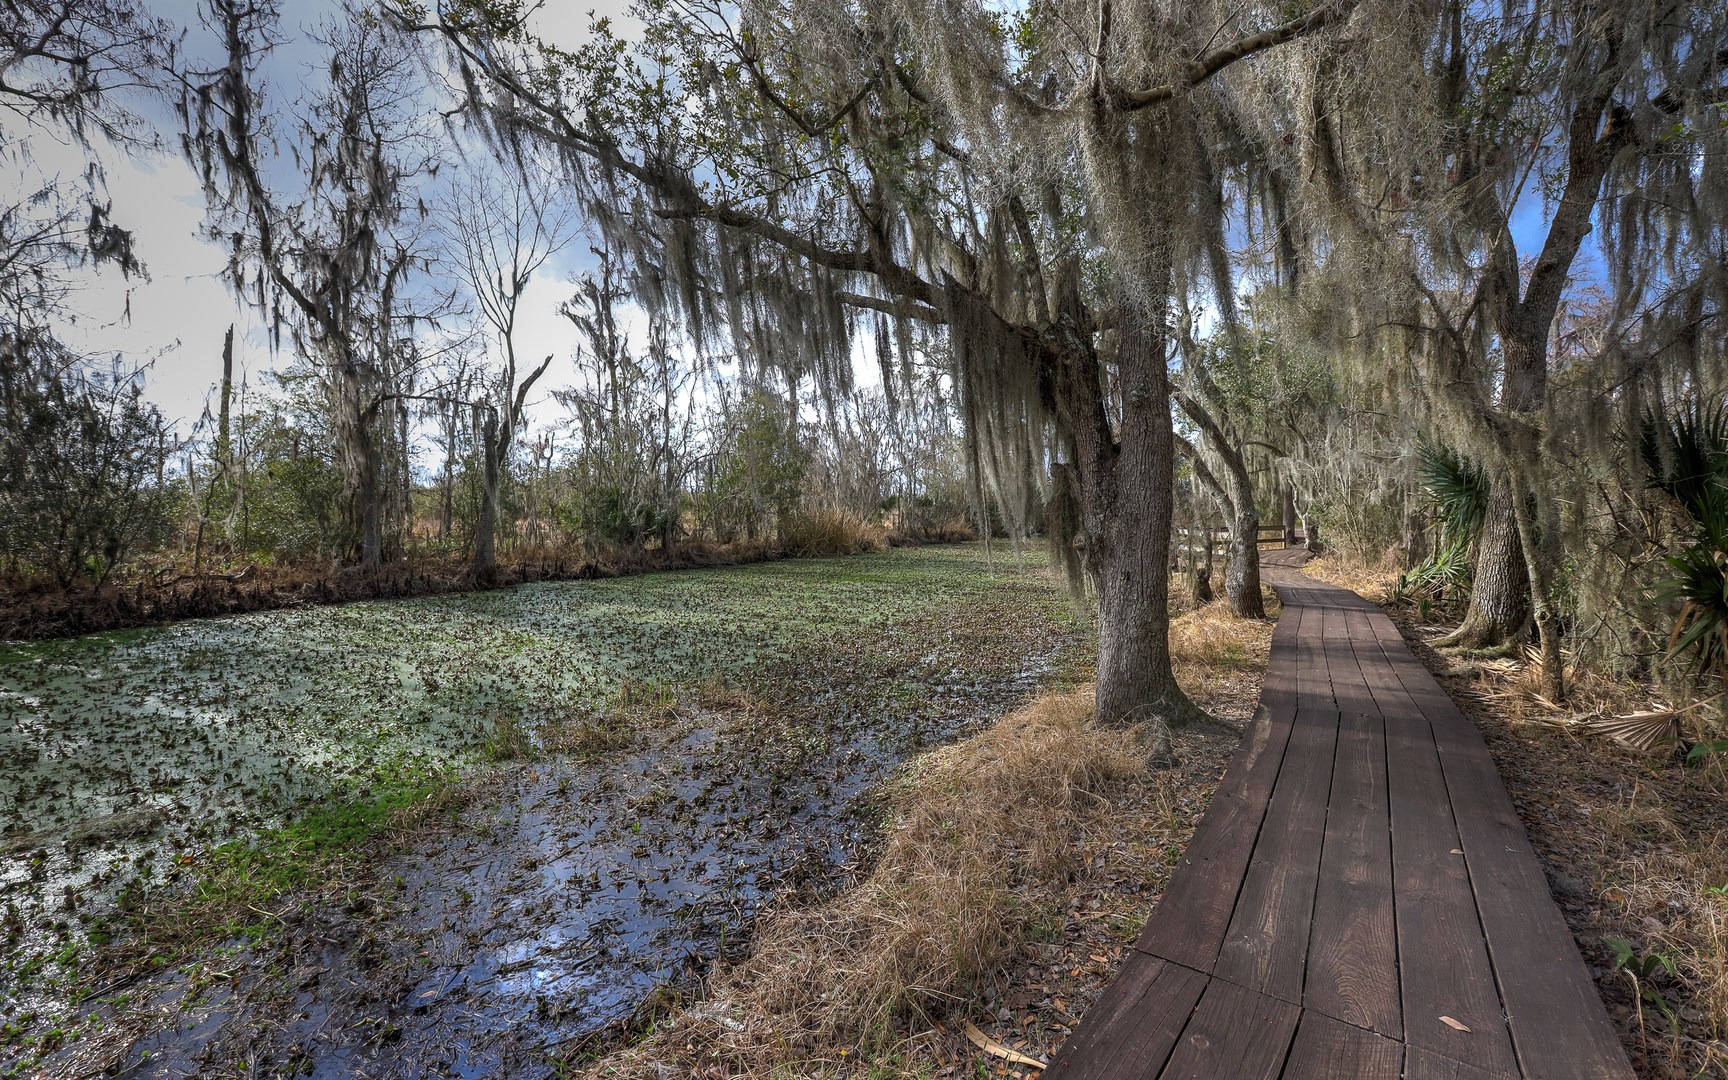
<point>290,856</point>
<point>508,740</point>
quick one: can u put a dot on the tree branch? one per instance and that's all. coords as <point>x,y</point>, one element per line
<point>1214,62</point>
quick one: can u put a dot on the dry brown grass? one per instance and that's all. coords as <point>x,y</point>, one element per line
<point>830,532</point>
<point>1377,583</point>
<point>989,844</point>
<point>974,829</point>
<point>1214,651</point>
<point>1660,882</point>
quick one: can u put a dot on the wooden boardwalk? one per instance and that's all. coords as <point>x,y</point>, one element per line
<point>1360,880</point>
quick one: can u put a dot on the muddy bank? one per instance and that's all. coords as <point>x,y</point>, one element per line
<point>563,900</point>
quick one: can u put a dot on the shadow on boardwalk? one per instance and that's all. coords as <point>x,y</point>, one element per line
<point>1360,901</point>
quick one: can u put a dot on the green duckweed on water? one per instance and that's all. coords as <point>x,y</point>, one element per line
<point>130,756</point>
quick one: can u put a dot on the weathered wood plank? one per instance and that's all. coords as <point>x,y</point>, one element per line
<point>1421,1064</point>
<point>1132,1027</point>
<point>1559,1027</point>
<point>1266,948</point>
<point>1327,1049</point>
<point>1353,946</point>
<point>1330,872</point>
<point>1189,921</point>
<point>1234,1033</point>
<point>1443,961</point>
<point>1313,679</point>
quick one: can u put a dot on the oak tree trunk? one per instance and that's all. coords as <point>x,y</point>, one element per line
<point>1499,611</point>
<point>364,471</point>
<point>1126,489</point>
<point>486,528</point>
<point>1242,578</point>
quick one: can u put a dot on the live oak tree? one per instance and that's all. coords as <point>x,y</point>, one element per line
<point>1603,117</point>
<point>324,244</point>
<point>1230,482</point>
<point>1028,185</point>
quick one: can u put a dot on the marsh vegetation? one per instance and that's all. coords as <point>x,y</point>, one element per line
<point>602,780</point>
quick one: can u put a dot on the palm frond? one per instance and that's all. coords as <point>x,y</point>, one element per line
<point>1457,487</point>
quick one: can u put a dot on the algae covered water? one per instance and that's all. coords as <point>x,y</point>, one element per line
<point>729,720</point>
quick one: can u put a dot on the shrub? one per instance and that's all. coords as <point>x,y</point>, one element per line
<point>829,532</point>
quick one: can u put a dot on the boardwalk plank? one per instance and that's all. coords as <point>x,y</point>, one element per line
<point>1444,968</point>
<point>1420,1064</point>
<point>1266,948</point>
<point>1189,921</point>
<point>1353,946</point>
<point>1327,1049</point>
<point>1313,677</point>
<point>1235,1033</point>
<point>1130,1031</point>
<point>1558,1026</point>
<point>1362,864</point>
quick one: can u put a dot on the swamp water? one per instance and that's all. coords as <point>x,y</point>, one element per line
<point>745,711</point>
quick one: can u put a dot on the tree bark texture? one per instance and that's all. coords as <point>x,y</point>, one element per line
<point>1500,603</point>
<point>1126,489</point>
<point>1499,611</point>
<point>362,467</point>
<point>1242,577</point>
<point>486,528</point>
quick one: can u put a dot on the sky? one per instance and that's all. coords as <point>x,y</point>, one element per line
<point>176,318</point>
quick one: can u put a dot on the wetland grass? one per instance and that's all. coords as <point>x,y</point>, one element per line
<point>1036,837</point>
<point>282,758</point>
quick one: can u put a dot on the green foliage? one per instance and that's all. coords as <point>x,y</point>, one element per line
<point>1456,488</point>
<point>614,517</point>
<point>759,465</point>
<point>81,463</point>
<point>1445,574</point>
<point>309,848</point>
<point>1686,456</point>
<point>293,494</point>
<point>1457,492</point>
<point>1643,969</point>
<point>1700,583</point>
<point>1705,750</point>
